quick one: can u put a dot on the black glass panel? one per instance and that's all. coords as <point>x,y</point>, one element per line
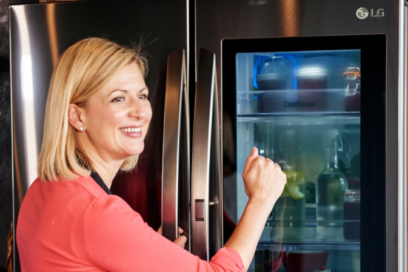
<point>316,106</point>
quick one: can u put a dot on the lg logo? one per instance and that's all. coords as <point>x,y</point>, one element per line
<point>363,13</point>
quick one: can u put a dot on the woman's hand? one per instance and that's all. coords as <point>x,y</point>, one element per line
<point>264,182</point>
<point>180,241</point>
<point>263,179</point>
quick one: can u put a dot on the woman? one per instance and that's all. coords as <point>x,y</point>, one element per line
<point>97,116</point>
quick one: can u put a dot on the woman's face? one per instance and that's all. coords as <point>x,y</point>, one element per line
<point>117,117</point>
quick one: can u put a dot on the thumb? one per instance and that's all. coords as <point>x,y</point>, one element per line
<point>181,241</point>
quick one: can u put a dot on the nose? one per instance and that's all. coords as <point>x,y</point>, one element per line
<point>137,110</point>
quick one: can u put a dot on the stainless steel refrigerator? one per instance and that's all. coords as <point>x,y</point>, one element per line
<point>317,86</point>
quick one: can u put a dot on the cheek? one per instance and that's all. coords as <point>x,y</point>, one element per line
<point>149,114</point>
<point>106,122</point>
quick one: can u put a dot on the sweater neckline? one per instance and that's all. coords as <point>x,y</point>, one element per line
<point>100,182</point>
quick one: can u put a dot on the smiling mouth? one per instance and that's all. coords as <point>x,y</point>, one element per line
<point>131,130</point>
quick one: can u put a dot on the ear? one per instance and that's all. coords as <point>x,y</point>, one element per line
<point>75,117</point>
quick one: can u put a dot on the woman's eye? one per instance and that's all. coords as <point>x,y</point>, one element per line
<point>143,96</point>
<point>118,99</point>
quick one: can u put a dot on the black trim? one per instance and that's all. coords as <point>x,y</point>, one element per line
<point>100,182</point>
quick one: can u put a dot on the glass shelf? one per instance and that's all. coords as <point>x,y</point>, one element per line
<point>297,246</point>
<point>303,118</point>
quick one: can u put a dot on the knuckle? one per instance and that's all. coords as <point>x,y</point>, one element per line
<point>258,161</point>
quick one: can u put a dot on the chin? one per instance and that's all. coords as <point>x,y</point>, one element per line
<point>135,151</point>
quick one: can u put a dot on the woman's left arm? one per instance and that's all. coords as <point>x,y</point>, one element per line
<point>180,241</point>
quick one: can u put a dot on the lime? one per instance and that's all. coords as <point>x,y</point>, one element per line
<point>294,179</point>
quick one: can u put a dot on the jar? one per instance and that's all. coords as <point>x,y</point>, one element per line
<point>352,215</point>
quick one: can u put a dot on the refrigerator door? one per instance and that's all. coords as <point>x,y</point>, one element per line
<point>176,152</point>
<point>40,33</point>
<point>316,106</point>
<point>249,19</point>
<point>206,182</point>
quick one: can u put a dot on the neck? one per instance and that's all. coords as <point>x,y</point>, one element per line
<point>331,158</point>
<point>103,163</point>
<point>106,173</point>
<point>106,168</point>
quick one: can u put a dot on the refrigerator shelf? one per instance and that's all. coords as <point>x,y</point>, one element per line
<point>303,118</point>
<point>289,101</point>
<point>343,91</point>
<point>297,246</point>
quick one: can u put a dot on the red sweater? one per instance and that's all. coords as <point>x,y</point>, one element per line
<point>77,226</point>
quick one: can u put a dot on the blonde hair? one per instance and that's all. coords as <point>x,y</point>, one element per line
<point>82,70</point>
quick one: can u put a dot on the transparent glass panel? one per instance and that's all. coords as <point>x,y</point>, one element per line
<point>302,110</point>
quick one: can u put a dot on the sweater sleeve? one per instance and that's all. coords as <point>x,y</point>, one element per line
<point>117,239</point>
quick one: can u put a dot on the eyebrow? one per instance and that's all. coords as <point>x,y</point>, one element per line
<point>126,91</point>
<point>145,88</point>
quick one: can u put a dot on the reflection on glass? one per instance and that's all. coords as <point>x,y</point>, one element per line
<point>302,110</point>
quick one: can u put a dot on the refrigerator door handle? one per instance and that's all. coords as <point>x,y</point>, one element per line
<point>176,151</point>
<point>206,184</point>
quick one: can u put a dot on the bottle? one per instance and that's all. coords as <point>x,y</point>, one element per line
<point>352,215</point>
<point>352,178</point>
<point>290,208</point>
<point>331,186</point>
<point>353,89</point>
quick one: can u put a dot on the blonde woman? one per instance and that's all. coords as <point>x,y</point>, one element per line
<point>97,116</point>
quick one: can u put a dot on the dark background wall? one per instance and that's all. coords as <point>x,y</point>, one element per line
<point>5,129</point>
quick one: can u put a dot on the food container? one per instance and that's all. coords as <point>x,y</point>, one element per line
<point>311,78</point>
<point>270,81</point>
<point>353,89</point>
<point>352,215</point>
<point>311,94</point>
<point>301,101</point>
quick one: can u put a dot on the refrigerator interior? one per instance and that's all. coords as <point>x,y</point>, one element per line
<point>296,142</point>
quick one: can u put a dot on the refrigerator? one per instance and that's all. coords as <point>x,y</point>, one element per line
<point>317,86</point>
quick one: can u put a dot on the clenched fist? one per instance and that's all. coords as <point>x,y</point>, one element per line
<point>263,179</point>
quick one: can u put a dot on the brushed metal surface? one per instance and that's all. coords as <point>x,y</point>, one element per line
<point>221,19</point>
<point>215,209</point>
<point>40,33</point>
<point>172,177</point>
<point>402,141</point>
<point>205,175</point>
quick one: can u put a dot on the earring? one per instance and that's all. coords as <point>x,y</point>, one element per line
<point>81,128</point>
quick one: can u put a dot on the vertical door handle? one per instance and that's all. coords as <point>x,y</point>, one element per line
<point>176,151</point>
<point>206,184</point>
<point>403,151</point>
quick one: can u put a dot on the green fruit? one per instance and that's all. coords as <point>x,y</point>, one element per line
<point>294,179</point>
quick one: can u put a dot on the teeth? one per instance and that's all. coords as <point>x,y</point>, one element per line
<point>130,130</point>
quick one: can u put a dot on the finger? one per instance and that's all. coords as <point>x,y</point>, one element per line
<point>278,166</point>
<point>258,161</point>
<point>180,230</point>
<point>181,241</point>
<point>159,231</point>
<point>250,158</point>
<point>269,160</point>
